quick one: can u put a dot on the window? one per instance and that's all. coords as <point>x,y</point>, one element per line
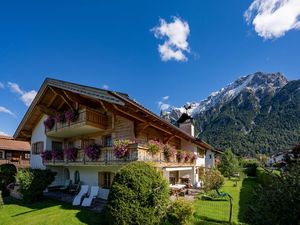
<point>1,155</point>
<point>107,141</point>
<point>210,156</point>
<point>105,179</point>
<point>27,156</point>
<point>8,155</point>
<point>201,152</point>
<point>37,148</point>
<point>76,177</point>
<point>56,145</point>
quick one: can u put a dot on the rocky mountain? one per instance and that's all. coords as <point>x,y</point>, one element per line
<point>256,113</point>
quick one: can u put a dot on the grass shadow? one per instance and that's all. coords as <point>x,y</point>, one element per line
<point>246,196</point>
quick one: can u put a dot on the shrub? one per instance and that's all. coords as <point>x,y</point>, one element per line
<point>154,147</point>
<point>1,199</point>
<point>92,151</point>
<point>229,164</point>
<point>139,195</point>
<point>212,180</point>
<point>250,167</point>
<point>264,176</point>
<point>71,153</point>
<point>278,202</point>
<point>180,212</point>
<point>7,176</point>
<point>33,182</point>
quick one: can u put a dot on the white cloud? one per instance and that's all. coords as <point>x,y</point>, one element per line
<point>165,98</point>
<point>105,86</point>
<point>273,18</point>
<point>3,133</point>
<point>6,110</point>
<point>1,85</point>
<point>25,96</point>
<point>162,105</point>
<point>175,36</point>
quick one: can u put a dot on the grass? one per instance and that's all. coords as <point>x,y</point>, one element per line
<point>45,212</point>
<point>214,212</point>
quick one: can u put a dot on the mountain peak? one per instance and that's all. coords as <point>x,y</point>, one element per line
<point>259,84</point>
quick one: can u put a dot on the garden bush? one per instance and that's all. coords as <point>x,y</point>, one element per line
<point>139,195</point>
<point>7,176</point>
<point>33,182</point>
<point>250,167</point>
<point>264,176</point>
<point>212,180</point>
<point>180,212</point>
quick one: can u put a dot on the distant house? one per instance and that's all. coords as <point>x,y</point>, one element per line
<point>103,117</point>
<point>14,152</point>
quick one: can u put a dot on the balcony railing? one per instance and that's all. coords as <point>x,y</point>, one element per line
<point>136,153</point>
<point>18,163</point>
<point>86,118</point>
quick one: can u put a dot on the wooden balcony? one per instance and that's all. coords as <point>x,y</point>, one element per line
<point>89,121</point>
<point>136,153</point>
<point>21,163</point>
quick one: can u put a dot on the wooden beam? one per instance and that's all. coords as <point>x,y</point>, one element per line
<point>62,95</point>
<point>140,128</point>
<point>47,110</point>
<point>168,138</point>
<point>52,100</point>
<point>103,106</point>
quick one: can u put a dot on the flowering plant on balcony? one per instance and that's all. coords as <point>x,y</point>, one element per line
<point>60,118</point>
<point>189,156</point>
<point>193,158</point>
<point>46,155</point>
<point>49,123</point>
<point>181,155</point>
<point>57,154</point>
<point>71,153</point>
<point>92,151</point>
<point>154,147</point>
<point>121,148</point>
<point>71,115</point>
<point>169,152</point>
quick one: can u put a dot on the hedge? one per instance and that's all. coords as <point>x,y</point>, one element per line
<point>264,176</point>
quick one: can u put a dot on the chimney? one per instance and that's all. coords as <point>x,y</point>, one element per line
<point>188,127</point>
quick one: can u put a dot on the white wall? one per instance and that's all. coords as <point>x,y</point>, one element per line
<point>209,159</point>
<point>38,134</point>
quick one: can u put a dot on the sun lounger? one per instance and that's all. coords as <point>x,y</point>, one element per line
<point>83,191</point>
<point>87,202</point>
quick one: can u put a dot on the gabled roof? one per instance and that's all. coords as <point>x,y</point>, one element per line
<point>115,98</point>
<point>8,143</point>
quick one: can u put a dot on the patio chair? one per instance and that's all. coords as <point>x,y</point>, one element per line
<point>87,202</point>
<point>66,185</point>
<point>83,191</point>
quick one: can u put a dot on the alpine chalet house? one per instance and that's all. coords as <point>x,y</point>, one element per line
<point>86,134</point>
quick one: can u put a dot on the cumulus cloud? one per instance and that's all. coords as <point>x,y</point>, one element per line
<point>105,86</point>
<point>175,36</point>
<point>273,18</point>
<point>162,105</point>
<point>6,110</point>
<point>25,96</point>
<point>3,133</point>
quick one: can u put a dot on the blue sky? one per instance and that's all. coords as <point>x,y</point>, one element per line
<point>115,43</point>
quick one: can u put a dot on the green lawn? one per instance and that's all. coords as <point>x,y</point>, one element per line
<point>45,212</point>
<point>213,212</point>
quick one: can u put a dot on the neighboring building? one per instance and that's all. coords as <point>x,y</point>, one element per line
<point>105,116</point>
<point>14,152</point>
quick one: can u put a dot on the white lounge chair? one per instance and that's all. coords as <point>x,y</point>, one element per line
<point>104,193</point>
<point>83,191</point>
<point>87,202</point>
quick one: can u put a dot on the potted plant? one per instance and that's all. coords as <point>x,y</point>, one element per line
<point>71,115</point>
<point>121,148</point>
<point>169,152</point>
<point>60,118</point>
<point>193,158</point>
<point>71,153</point>
<point>154,147</point>
<point>49,123</point>
<point>189,156</point>
<point>181,155</point>
<point>46,155</point>
<point>92,151</point>
<point>57,154</point>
